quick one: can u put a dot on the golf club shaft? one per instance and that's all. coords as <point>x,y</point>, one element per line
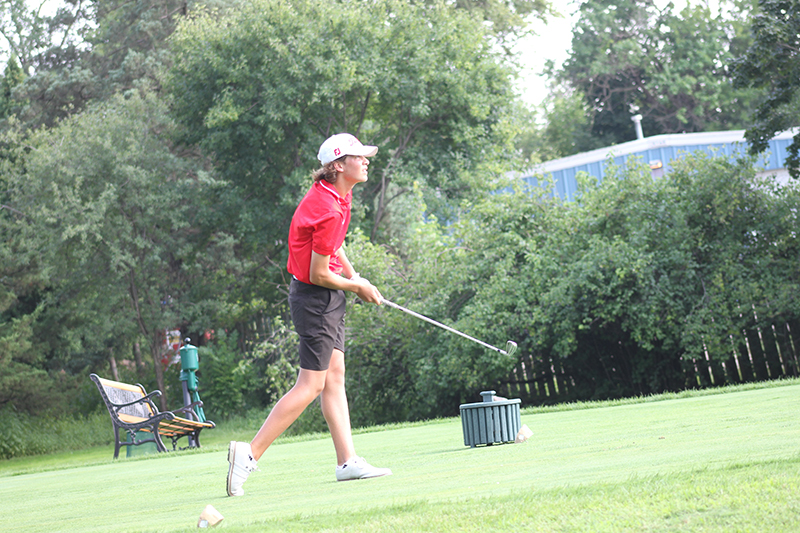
<point>448,328</point>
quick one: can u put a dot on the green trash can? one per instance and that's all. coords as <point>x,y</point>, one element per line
<point>492,421</point>
<point>142,449</point>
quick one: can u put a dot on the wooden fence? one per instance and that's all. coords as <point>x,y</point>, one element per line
<point>758,354</point>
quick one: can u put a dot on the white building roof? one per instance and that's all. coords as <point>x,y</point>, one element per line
<point>658,151</point>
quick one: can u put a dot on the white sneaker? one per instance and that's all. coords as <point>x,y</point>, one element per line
<point>358,468</point>
<point>242,463</point>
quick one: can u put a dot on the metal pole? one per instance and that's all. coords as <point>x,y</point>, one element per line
<point>637,122</point>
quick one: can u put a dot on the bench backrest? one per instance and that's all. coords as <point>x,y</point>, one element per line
<point>119,393</point>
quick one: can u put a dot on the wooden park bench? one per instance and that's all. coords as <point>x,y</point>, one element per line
<point>132,410</point>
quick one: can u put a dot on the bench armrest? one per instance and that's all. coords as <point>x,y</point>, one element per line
<point>143,399</point>
<point>189,409</point>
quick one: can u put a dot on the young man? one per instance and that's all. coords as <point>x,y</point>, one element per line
<point>321,273</point>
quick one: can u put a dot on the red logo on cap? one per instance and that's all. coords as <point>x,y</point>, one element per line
<point>336,151</point>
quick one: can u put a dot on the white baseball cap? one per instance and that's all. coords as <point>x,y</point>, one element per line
<point>343,144</point>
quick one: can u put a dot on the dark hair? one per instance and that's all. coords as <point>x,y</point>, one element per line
<point>328,172</point>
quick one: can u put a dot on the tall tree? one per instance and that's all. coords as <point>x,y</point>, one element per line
<point>565,127</point>
<point>508,20</point>
<point>45,43</point>
<point>107,209</point>
<point>273,80</point>
<point>673,68</point>
<point>23,376</point>
<point>773,63</point>
<point>12,77</point>
<point>89,50</point>
<point>30,35</point>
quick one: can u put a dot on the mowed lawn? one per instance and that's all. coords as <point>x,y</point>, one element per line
<point>716,462</point>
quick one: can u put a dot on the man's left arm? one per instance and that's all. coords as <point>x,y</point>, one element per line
<point>321,275</point>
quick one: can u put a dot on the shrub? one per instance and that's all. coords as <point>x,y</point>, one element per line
<point>25,434</point>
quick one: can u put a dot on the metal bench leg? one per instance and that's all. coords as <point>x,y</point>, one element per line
<point>117,443</point>
<point>157,437</point>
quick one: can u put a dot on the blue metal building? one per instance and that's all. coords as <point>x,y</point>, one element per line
<point>658,151</point>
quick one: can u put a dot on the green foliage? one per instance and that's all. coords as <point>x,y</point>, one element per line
<point>23,381</point>
<point>233,382</point>
<point>33,38</point>
<point>622,291</point>
<point>24,435</point>
<point>772,63</point>
<point>121,234</point>
<point>566,127</point>
<point>381,378</point>
<point>12,77</point>
<point>112,231</point>
<point>273,364</point>
<point>89,50</point>
<point>220,384</point>
<point>402,368</point>
<point>270,83</point>
<point>646,276</point>
<point>107,211</point>
<point>508,19</point>
<point>672,68</point>
<point>422,81</point>
<point>49,49</point>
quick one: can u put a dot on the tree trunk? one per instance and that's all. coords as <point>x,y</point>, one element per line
<point>137,356</point>
<point>112,362</point>
<point>155,335</point>
<point>156,348</point>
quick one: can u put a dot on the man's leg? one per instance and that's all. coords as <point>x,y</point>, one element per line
<point>335,409</point>
<point>243,457</point>
<point>308,386</point>
<point>337,415</point>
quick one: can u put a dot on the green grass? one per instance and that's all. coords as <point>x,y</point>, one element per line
<point>728,461</point>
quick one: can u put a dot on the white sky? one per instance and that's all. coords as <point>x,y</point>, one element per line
<point>554,41</point>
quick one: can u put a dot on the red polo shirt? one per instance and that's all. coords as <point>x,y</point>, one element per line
<point>319,224</point>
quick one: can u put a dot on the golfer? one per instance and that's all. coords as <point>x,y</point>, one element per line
<point>321,273</point>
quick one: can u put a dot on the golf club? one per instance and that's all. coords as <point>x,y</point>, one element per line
<point>511,346</point>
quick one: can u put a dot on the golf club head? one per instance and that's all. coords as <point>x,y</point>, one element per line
<point>511,347</point>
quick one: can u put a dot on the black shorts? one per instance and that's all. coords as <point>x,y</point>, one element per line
<point>318,318</point>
